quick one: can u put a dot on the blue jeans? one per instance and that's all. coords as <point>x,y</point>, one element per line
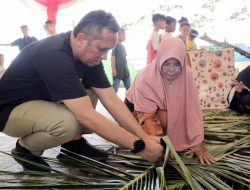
<point>126,82</point>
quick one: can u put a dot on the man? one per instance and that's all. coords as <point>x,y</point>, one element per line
<point>50,28</point>
<point>119,63</point>
<point>22,42</point>
<point>43,102</point>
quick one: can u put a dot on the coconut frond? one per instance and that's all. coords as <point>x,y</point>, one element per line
<point>227,135</point>
<point>147,180</point>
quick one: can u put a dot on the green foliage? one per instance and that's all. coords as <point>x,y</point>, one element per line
<point>201,19</point>
<point>242,14</point>
<point>168,8</point>
<point>108,70</point>
<point>227,137</point>
<point>208,7</point>
<point>126,26</point>
<point>140,20</point>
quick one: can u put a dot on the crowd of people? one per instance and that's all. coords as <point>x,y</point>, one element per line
<point>168,24</point>
<point>49,92</point>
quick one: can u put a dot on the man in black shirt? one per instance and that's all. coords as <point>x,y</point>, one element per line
<point>45,104</point>
<point>22,42</point>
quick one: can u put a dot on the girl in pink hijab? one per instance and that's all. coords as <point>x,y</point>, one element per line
<point>164,100</point>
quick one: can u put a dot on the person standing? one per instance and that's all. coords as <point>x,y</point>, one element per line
<point>183,20</point>
<point>2,68</point>
<point>119,63</point>
<point>170,27</point>
<point>190,42</point>
<point>184,31</point>
<point>22,42</point>
<point>50,28</point>
<point>44,112</point>
<point>159,22</point>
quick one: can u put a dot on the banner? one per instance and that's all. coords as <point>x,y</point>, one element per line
<point>214,73</point>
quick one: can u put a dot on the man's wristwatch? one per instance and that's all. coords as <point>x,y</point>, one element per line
<point>139,146</point>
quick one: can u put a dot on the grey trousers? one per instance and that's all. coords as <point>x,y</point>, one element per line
<point>41,125</point>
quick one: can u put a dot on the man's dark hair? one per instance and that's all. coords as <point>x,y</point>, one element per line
<point>156,17</point>
<point>49,22</point>
<point>170,19</point>
<point>93,23</point>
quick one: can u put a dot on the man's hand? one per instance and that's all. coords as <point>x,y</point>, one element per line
<point>154,151</point>
<point>201,152</point>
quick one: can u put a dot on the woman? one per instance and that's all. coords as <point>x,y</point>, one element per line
<point>164,100</point>
<point>241,98</point>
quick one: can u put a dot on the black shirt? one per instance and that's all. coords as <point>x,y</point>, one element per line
<point>23,42</point>
<point>47,70</point>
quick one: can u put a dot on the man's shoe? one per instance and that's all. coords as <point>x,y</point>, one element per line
<point>81,147</point>
<point>21,154</point>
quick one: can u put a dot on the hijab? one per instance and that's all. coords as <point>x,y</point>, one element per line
<point>150,92</point>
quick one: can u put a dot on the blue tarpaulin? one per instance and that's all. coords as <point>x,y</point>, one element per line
<point>238,57</point>
<point>241,58</point>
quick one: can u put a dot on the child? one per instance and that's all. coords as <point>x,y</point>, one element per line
<point>170,26</point>
<point>182,20</point>
<point>190,42</point>
<point>184,31</point>
<point>154,41</point>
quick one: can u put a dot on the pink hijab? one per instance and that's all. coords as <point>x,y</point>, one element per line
<point>151,92</point>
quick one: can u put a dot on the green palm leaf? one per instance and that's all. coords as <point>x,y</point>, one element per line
<point>227,136</point>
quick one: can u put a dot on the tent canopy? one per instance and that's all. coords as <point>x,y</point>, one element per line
<point>51,6</point>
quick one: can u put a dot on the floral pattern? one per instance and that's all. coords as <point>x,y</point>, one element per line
<point>214,72</point>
